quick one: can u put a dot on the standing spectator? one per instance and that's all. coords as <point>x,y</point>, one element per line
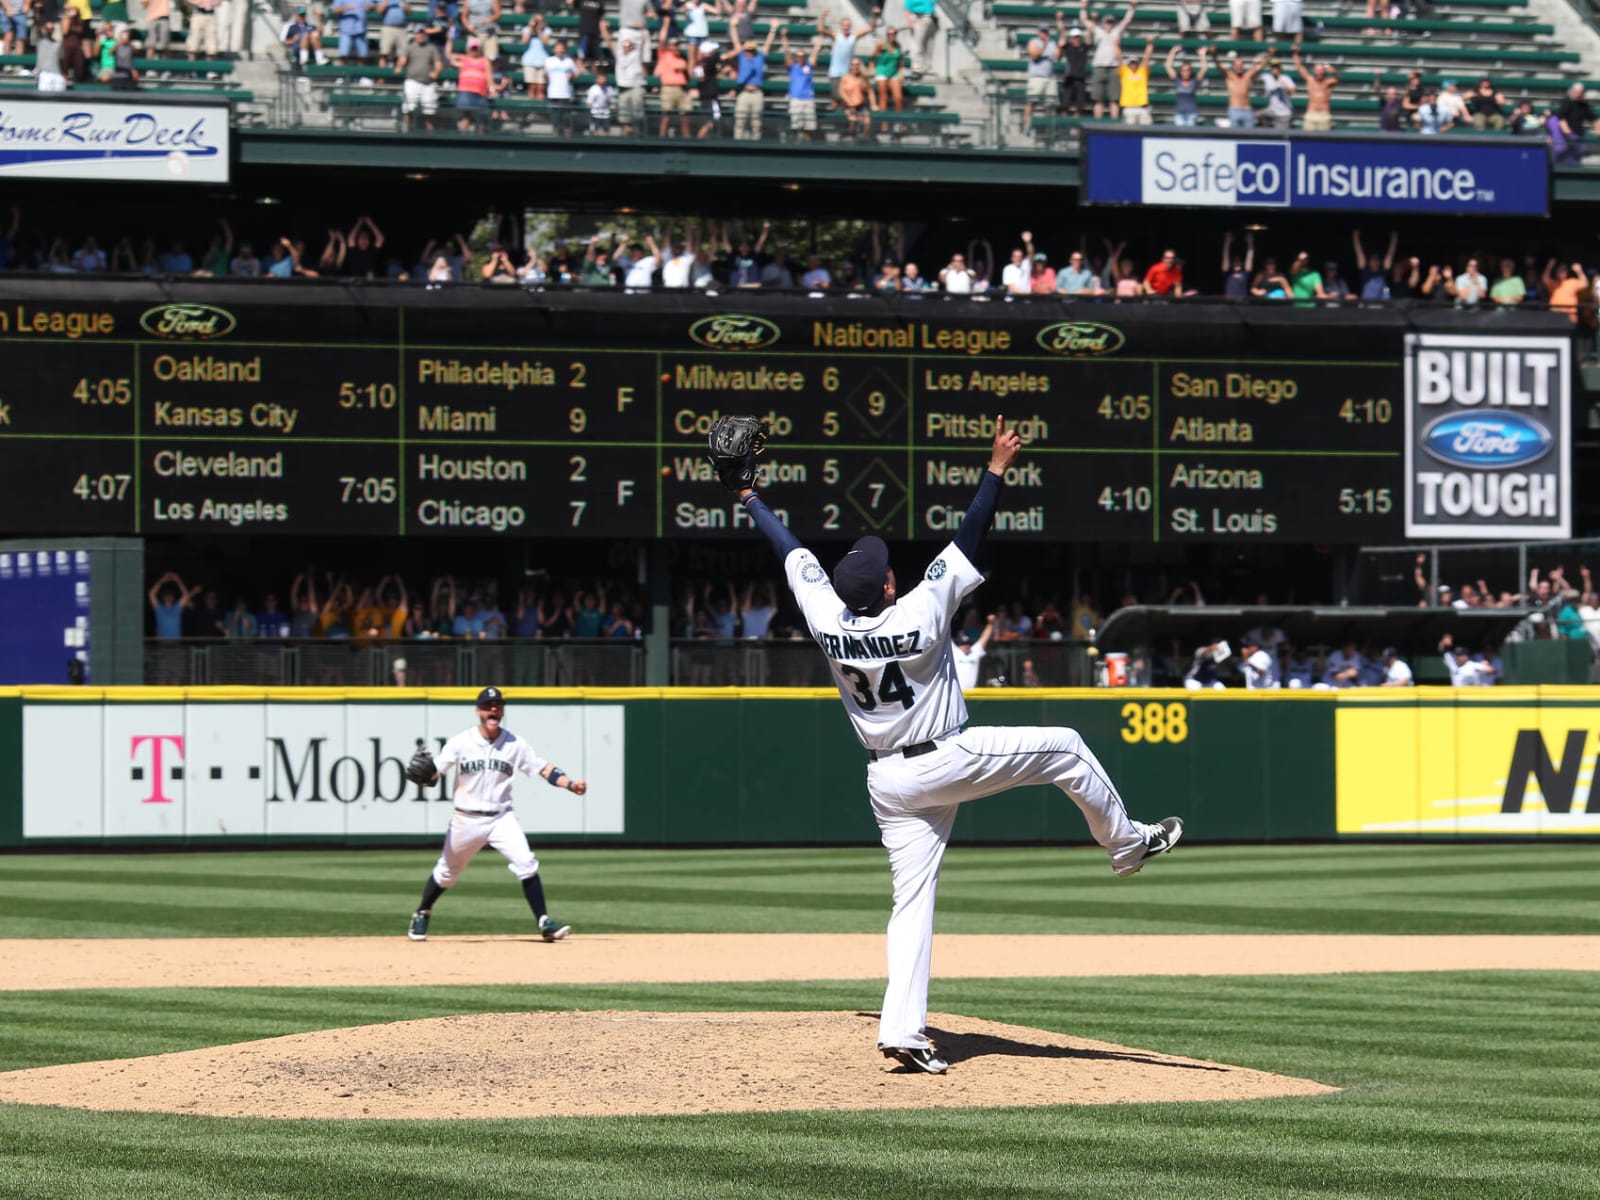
<point>1509,290</point>
<point>708,71</point>
<point>1043,281</point>
<point>1104,88</point>
<point>1185,89</point>
<point>362,245</point>
<point>481,19</point>
<point>158,27</point>
<point>856,97</point>
<point>756,610</point>
<point>473,83</point>
<point>1565,286</point>
<point>968,654</point>
<point>672,69</point>
<point>802,89</point>
<point>676,269</point>
<point>642,269</point>
<point>1135,82</point>
<point>352,30</point>
<point>1471,286</point>
<point>1278,87</point>
<point>1288,20</point>
<point>560,72</point>
<point>1041,75</point>
<point>1392,116</point>
<point>47,63</point>
<point>1305,283</point>
<point>392,30</point>
<point>591,17</point>
<point>1320,82</point>
<point>1165,277</point>
<point>751,75</point>
<point>168,604</point>
<point>599,99</point>
<point>1488,106</point>
<point>14,24</point>
<point>1246,19</point>
<point>202,37</point>
<point>1073,98</point>
<point>1016,275</point>
<point>843,53</point>
<point>1193,18</point>
<point>1239,79</point>
<point>888,59</point>
<point>956,278</point>
<point>534,53</point>
<point>1574,118</point>
<point>1236,271</point>
<point>1372,271</point>
<point>924,25</point>
<point>627,51</point>
<point>420,64</point>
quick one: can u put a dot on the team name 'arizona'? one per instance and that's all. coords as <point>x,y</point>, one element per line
<point>484,764</point>
<point>870,645</point>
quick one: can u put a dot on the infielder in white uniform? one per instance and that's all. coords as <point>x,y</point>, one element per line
<point>485,758</point>
<point>891,658</point>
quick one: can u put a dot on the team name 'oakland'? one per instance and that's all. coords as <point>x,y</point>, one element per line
<point>870,645</point>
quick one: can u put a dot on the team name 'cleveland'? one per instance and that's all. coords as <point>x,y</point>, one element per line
<point>870,645</point>
<point>484,764</point>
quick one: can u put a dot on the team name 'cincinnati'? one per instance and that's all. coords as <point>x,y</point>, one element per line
<point>870,645</point>
<point>473,766</point>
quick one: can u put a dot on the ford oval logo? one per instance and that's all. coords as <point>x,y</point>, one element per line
<point>191,322</point>
<point>1486,440</point>
<point>1081,338</point>
<point>734,331</point>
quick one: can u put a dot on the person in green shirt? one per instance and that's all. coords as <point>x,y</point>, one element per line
<point>1509,289</point>
<point>1305,282</point>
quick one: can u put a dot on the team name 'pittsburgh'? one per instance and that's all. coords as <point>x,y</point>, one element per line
<point>484,764</point>
<point>870,645</point>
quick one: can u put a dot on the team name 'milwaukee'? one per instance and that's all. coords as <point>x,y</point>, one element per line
<point>473,766</point>
<point>870,645</point>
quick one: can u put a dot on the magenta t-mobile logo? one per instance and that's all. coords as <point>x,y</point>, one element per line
<point>158,754</point>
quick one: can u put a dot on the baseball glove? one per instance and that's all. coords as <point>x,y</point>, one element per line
<point>420,768</point>
<point>734,443</point>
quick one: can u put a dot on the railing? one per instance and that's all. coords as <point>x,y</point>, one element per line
<point>514,662</point>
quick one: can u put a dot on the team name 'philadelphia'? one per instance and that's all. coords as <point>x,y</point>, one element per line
<point>870,645</point>
<point>485,764</point>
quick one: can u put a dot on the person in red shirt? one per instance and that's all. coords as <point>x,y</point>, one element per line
<point>1043,280</point>
<point>1166,277</point>
<point>672,69</point>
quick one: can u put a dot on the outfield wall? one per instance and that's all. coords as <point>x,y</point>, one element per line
<point>726,766</point>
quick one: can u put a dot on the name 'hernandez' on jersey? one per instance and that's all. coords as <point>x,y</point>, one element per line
<point>894,670</point>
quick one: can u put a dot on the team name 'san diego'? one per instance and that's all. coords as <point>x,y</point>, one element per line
<point>870,645</point>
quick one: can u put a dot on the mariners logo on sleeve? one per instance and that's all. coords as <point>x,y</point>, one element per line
<point>936,569</point>
<point>813,573</point>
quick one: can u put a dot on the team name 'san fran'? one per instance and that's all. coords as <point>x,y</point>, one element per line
<point>472,766</point>
<point>870,645</point>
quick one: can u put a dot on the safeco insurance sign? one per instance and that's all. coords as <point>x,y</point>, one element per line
<point>1488,436</point>
<point>1366,173</point>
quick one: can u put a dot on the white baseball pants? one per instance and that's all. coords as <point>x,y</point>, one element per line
<point>469,833</point>
<point>915,802</point>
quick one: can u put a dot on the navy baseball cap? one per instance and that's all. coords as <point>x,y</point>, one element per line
<point>490,695</point>
<point>858,578</point>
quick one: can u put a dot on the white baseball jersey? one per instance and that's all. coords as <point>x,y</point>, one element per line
<point>894,670</point>
<point>484,769</point>
<point>969,661</point>
<point>1260,671</point>
<point>1398,674</point>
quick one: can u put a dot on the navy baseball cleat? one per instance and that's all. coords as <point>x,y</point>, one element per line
<point>419,926</point>
<point>552,930</point>
<point>917,1058</point>
<point>1164,835</point>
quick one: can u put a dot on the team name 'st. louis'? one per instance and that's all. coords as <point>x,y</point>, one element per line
<point>472,766</point>
<point>870,645</point>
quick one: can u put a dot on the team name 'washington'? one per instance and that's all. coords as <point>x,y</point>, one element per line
<point>473,766</point>
<point>870,645</point>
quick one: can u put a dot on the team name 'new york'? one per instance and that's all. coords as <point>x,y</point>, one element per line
<point>870,645</point>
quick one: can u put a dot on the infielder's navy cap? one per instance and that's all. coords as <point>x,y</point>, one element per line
<point>858,579</point>
<point>490,695</point>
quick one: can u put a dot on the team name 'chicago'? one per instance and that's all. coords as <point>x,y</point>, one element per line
<point>473,766</point>
<point>870,645</point>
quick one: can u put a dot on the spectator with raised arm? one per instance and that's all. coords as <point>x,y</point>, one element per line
<point>1105,88</point>
<point>1237,271</point>
<point>802,88</point>
<point>1239,79</point>
<point>1134,78</point>
<point>169,599</point>
<point>750,76</point>
<point>1372,271</point>
<point>1186,80</point>
<point>1319,82</point>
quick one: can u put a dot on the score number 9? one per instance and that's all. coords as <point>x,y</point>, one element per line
<point>1155,722</point>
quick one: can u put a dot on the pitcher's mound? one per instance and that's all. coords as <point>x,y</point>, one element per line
<point>551,1064</point>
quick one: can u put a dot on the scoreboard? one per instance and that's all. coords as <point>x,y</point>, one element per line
<point>385,411</point>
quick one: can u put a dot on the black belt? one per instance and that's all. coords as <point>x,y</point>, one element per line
<point>473,812</point>
<point>910,751</point>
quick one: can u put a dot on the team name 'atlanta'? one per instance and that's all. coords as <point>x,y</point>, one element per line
<point>484,764</point>
<point>870,645</point>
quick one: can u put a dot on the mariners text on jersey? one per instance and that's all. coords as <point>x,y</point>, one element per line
<point>870,646</point>
<point>469,766</point>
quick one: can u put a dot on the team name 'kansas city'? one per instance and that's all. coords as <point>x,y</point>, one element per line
<point>870,645</point>
<point>485,764</point>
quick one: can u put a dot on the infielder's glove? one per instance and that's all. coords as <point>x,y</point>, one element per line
<point>420,768</point>
<point>734,443</point>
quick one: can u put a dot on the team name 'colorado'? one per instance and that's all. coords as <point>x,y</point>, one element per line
<point>870,645</point>
<point>484,764</point>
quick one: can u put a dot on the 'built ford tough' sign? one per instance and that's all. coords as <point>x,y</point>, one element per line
<point>1488,443</point>
<point>1371,173</point>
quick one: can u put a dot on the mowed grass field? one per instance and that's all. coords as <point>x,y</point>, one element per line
<point>1468,1084</point>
